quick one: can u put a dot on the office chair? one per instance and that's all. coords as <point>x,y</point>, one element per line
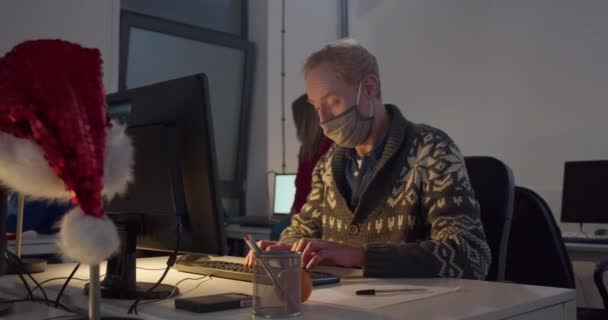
<point>492,181</point>
<point>537,254</point>
<point>598,278</point>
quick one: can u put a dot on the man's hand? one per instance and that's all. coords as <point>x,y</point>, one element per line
<point>316,251</point>
<point>266,245</point>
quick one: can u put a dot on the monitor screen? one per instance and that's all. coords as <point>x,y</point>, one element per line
<point>284,193</point>
<point>584,192</point>
<point>175,168</point>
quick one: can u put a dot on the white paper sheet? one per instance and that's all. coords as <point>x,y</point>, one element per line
<point>344,294</point>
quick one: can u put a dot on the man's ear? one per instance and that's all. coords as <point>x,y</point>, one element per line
<point>371,85</point>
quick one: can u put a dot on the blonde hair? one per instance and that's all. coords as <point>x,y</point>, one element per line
<point>349,60</point>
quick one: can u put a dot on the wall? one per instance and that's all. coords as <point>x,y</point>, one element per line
<point>524,81</point>
<point>309,25</point>
<point>87,22</point>
<point>257,164</point>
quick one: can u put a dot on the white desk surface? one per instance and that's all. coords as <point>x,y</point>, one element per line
<point>36,310</point>
<point>584,256</point>
<point>587,251</point>
<point>475,300</point>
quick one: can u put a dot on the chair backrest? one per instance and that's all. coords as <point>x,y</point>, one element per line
<point>492,181</point>
<point>537,254</point>
<point>598,278</point>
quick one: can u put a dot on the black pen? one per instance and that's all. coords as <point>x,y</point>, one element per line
<point>371,292</point>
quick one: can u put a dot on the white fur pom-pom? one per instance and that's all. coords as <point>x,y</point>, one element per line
<point>87,239</point>
<point>118,163</point>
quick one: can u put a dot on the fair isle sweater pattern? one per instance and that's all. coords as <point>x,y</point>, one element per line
<point>418,216</point>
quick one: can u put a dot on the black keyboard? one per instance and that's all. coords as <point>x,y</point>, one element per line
<point>237,271</point>
<point>590,240</point>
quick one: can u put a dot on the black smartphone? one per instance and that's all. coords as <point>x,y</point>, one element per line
<point>214,302</point>
<point>322,278</point>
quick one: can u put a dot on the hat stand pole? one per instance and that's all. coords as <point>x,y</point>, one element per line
<point>94,292</point>
<point>31,265</point>
<point>19,236</point>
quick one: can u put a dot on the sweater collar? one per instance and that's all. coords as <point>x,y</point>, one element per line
<point>396,136</point>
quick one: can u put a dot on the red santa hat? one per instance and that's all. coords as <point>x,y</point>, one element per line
<point>57,140</point>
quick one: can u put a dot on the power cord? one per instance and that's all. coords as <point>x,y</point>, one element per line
<point>16,261</point>
<point>150,269</point>
<point>198,285</point>
<point>170,263</point>
<point>176,287</point>
<point>61,278</point>
<point>65,284</point>
<point>30,294</point>
<point>58,278</point>
<point>79,279</point>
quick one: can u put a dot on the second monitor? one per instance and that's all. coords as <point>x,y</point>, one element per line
<point>584,192</point>
<point>174,196</point>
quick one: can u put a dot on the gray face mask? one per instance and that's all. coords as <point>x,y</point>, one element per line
<point>349,128</point>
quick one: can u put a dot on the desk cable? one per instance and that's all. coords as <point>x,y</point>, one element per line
<point>16,261</point>
<point>170,262</point>
<point>176,287</point>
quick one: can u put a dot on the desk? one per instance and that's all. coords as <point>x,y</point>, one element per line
<point>476,300</point>
<point>584,256</point>
<point>587,251</point>
<point>35,310</point>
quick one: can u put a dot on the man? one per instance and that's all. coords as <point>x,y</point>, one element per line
<point>393,197</point>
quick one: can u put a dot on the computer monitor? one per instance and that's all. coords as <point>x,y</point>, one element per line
<point>284,193</point>
<point>584,192</point>
<point>5,306</point>
<point>3,213</point>
<point>175,178</point>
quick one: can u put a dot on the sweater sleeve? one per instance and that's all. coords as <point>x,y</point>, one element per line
<point>307,223</point>
<point>457,246</point>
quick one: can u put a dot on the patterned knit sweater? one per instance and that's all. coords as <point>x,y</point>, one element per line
<point>418,216</point>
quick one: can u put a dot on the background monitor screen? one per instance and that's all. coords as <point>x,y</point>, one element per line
<point>284,193</point>
<point>585,192</point>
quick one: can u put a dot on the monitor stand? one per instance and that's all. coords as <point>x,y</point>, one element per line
<point>119,281</point>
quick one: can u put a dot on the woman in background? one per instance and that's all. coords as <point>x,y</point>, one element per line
<point>313,145</point>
